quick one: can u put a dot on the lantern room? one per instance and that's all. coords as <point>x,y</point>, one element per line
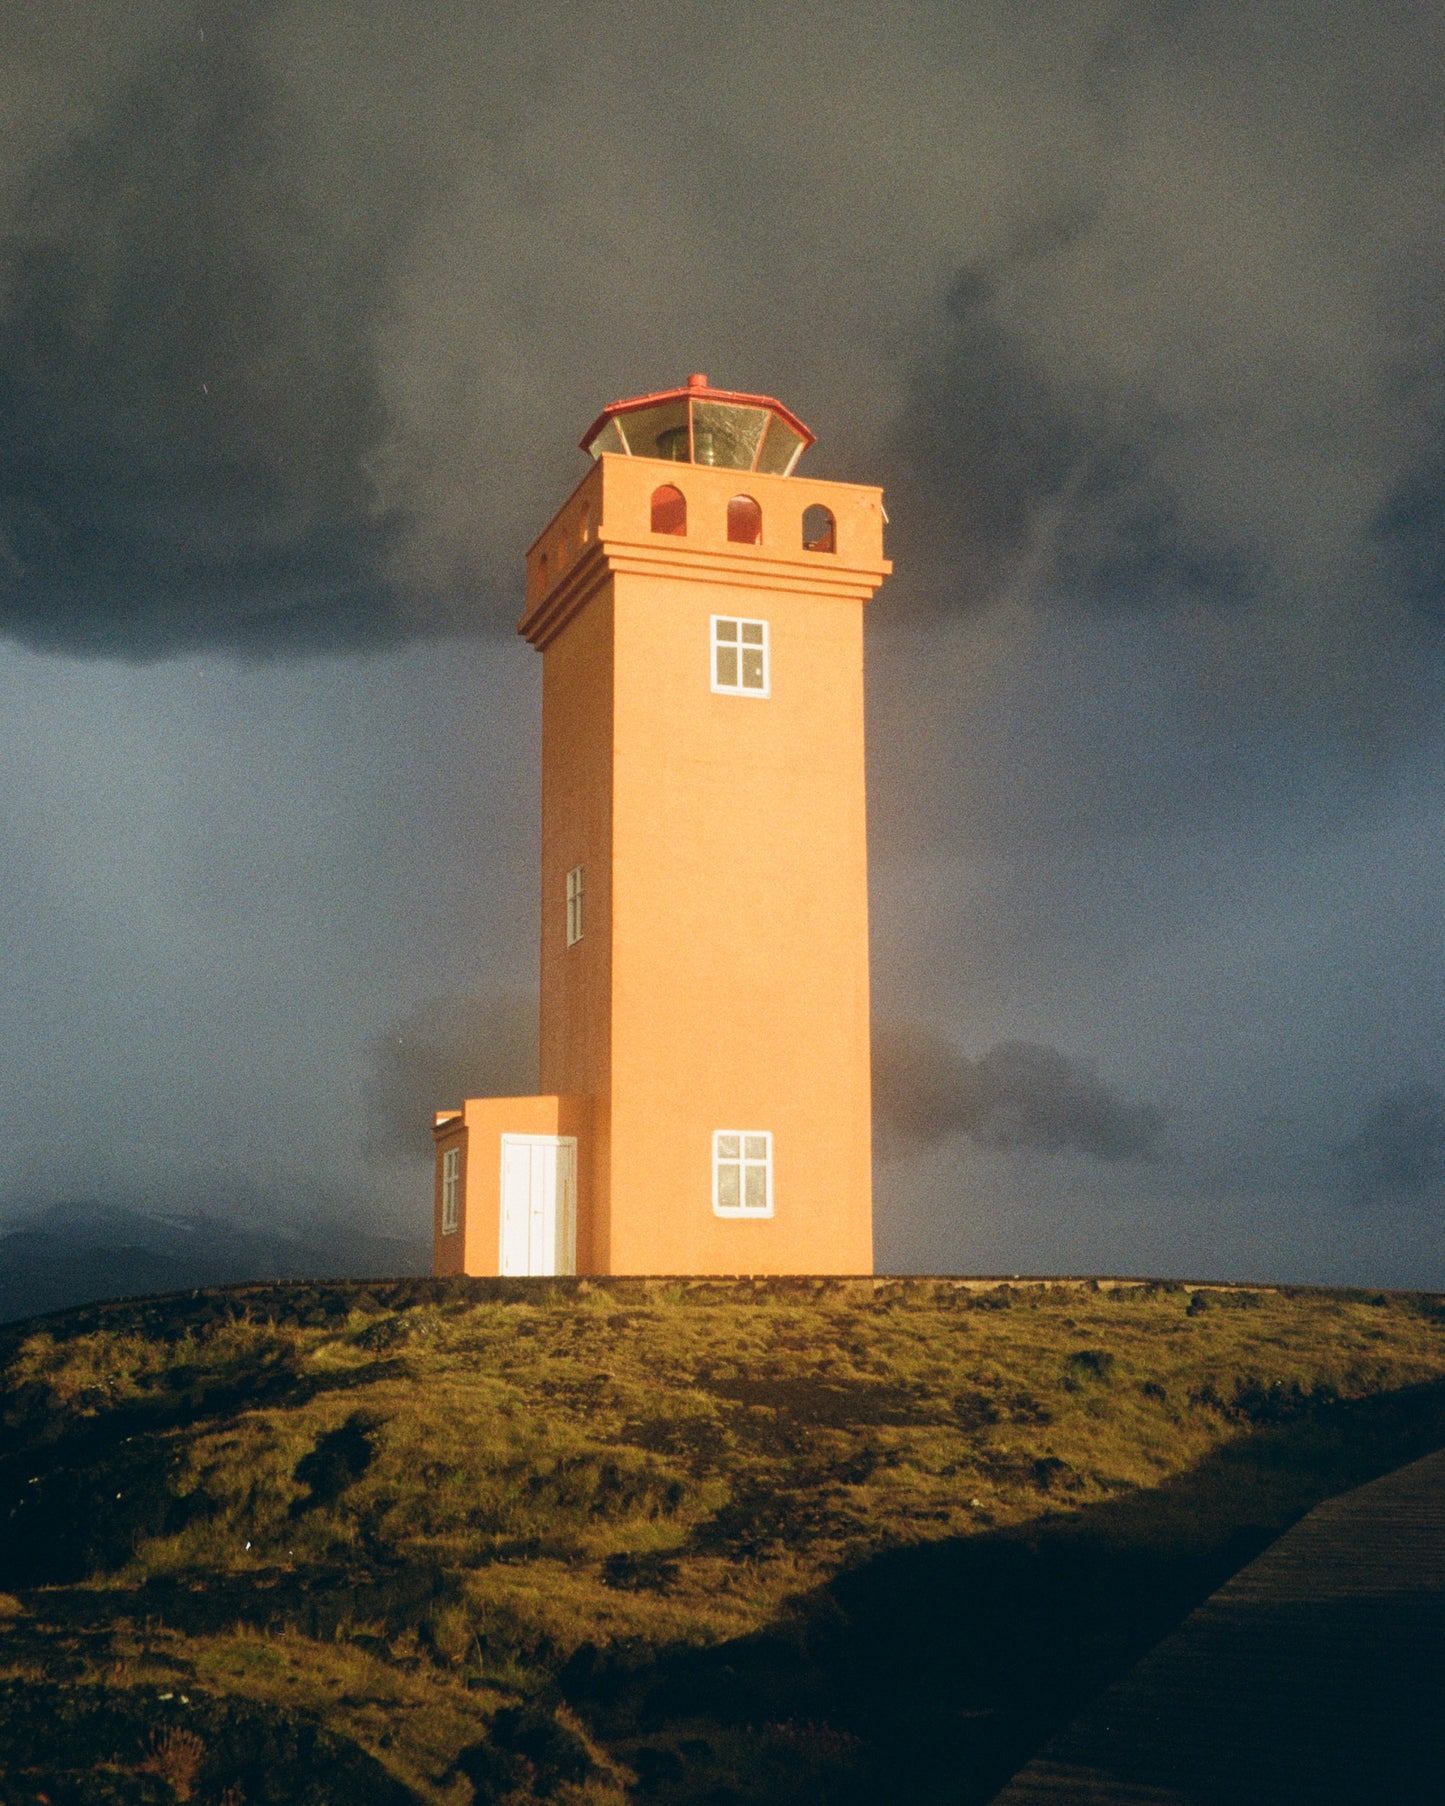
<point>700,425</point>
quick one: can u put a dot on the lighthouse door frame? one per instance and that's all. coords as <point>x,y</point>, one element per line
<point>538,1230</point>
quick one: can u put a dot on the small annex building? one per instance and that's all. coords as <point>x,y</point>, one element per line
<point>704,1055</point>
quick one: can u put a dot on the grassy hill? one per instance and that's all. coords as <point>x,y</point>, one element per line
<point>712,1542</point>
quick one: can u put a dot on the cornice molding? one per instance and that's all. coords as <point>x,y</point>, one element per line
<point>740,567</point>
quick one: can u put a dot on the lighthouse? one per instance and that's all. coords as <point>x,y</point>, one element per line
<point>704,1057</point>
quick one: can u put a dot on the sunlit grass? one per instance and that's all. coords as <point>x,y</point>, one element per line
<point>397,1520</point>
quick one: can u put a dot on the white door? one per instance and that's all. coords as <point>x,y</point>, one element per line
<point>539,1204</point>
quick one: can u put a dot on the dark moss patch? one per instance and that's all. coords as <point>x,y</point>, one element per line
<point>339,1457</point>
<point>648,1572</point>
<point>525,1748</point>
<point>99,1744</point>
<point>812,1403</point>
<point>1054,1475</point>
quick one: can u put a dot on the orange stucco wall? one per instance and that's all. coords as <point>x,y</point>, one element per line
<point>576,997</point>
<point>740,935</point>
<point>722,979</point>
<point>449,1251</point>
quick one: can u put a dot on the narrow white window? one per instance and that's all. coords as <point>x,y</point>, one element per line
<point>742,1173</point>
<point>451,1190</point>
<point>739,656</point>
<point>574,906</point>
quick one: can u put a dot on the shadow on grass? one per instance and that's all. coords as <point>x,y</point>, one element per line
<point>932,1673</point>
<point>1353,1715</point>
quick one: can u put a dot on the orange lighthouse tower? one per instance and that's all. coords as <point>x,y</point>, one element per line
<point>704,949</point>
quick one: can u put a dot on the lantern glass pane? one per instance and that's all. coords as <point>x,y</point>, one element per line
<point>659,432</point>
<point>779,448</point>
<point>726,435</point>
<point>608,440</point>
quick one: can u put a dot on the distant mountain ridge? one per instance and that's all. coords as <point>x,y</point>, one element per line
<point>81,1253</point>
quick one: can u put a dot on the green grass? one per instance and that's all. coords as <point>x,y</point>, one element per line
<point>713,1542</point>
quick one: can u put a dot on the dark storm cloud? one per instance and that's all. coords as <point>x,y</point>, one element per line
<point>443,1051</point>
<point>1035,480</point>
<point>1409,528</point>
<point>1017,1095</point>
<point>1399,1149</point>
<point>1127,302</point>
<point>188,385</point>
<point>1198,360</point>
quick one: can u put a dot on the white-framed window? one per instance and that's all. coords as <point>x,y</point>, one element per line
<point>742,1173</point>
<point>574,906</point>
<point>739,656</point>
<point>451,1190</point>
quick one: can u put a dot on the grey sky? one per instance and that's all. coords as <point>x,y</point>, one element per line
<point>1134,309</point>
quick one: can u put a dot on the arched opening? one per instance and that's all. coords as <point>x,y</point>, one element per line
<point>820,534</point>
<point>584,526</point>
<point>669,510</point>
<point>745,521</point>
<point>542,575</point>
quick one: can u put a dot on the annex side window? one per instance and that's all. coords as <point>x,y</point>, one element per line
<point>739,656</point>
<point>742,1173</point>
<point>451,1189</point>
<point>574,906</point>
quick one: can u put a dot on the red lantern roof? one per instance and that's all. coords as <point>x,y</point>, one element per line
<point>700,425</point>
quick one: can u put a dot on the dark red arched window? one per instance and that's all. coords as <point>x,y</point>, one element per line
<point>745,521</point>
<point>669,510</point>
<point>819,532</point>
